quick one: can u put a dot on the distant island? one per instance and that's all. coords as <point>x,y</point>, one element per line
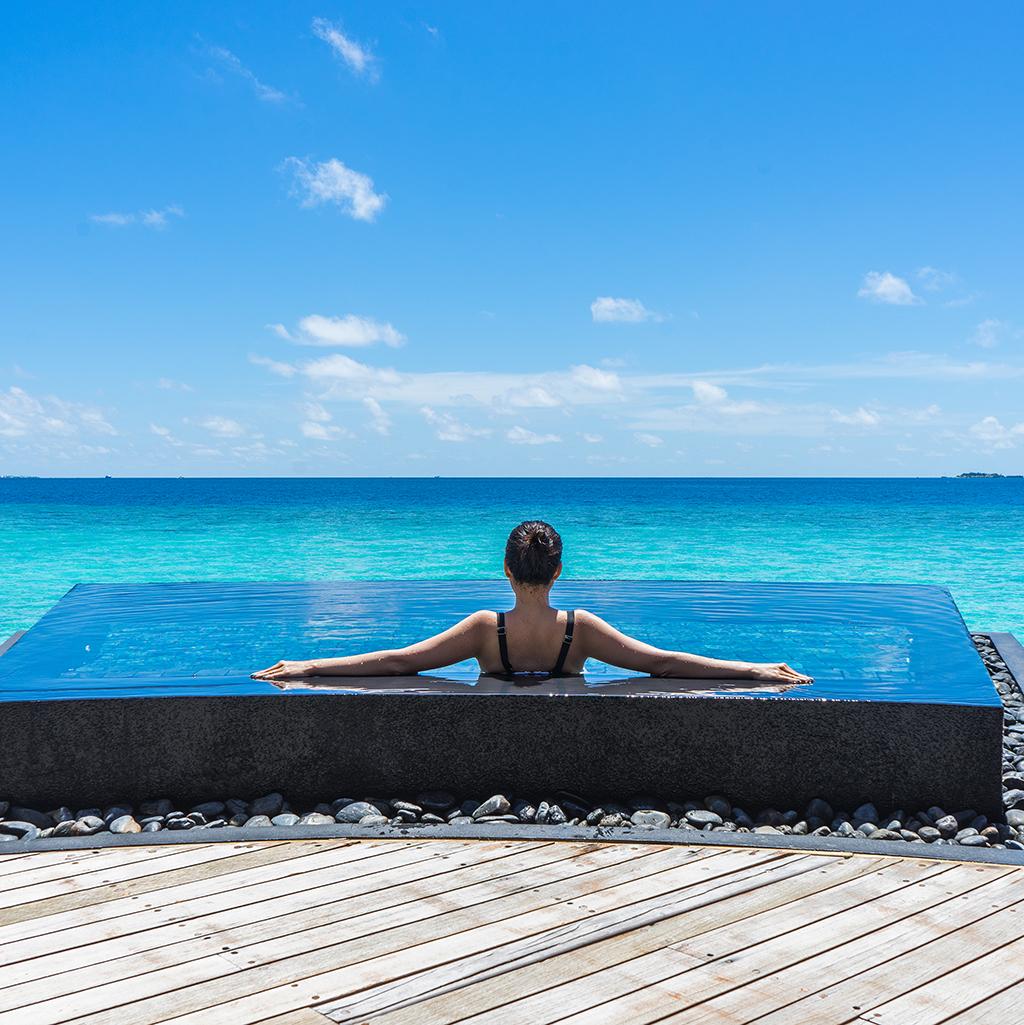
<point>989,476</point>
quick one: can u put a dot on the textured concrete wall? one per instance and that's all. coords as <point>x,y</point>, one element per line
<point>308,745</point>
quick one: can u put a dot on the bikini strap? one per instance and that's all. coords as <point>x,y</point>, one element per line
<point>503,644</point>
<point>570,624</point>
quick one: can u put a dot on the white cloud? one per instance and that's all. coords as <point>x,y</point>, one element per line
<point>532,397</point>
<point>24,416</point>
<point>315,412</point>
<point>359,58</point>
<point>707,393</point>
<point>265,92</point>
<point>522,436</point>
<point>274,366</point>
<point>650,440</point>
<point>332,182</point>
<point>599,380</point>
<point>988,333</point>
<point>860,417</point>
<point>379,419</point>
<point>592,439</point>
<point>223,426</point>
<point>169,384</point>
<point>991,432</point>
<point>318,431</point>
<point>147,218</point>
<point>449,428</point>
<point>350,330</point>
<point>887,288</point>
<point>934,280</point>
<point>606,309</point>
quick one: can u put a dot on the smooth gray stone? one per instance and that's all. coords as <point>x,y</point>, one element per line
<point>324,809</point>
<point>801,828</point>
<point>39,819</point>
<point>431,819</point>
<point>498,818</point>
<point>125,824</point>
<point>822,831</point>
<point>236,806</point>
<point>198,819</point>
<point>316,818</point>
<point>653,819</point>
<point>701,817</point>
<point>1015,845</point>
<point>356,811</point>
<point>1015,818</point>
<point>406,806</point>
<point>865,813</point>
<point>1011,799</point>
<point>885,834</point>
<point>963,834</point>
<point>59,814</point>
<point>5,837</point>
<point>975,840</point>
<point>817,808</point>
<point>964,817</point>
<point>543,809</point>
<point>1013,782</point>
<point>151,818</point>
<point>88,825</point>
<point>268,804</point>
<point>946,825</point>
<point>64,828</point>
<point>374,820</point>
<point>258,820</point>
<point>405,815</point>
<point>844,829</point>
<point>496,805</point>
<point>461,820</point>
<point>182,823</point>
<point>116,811</point>
<point>159,806</point>
<point>766,829</point>
<point>929,834</point>
<point>286,818</point>
<point>210,809</point>
<point>21,830</point>
<point>213,824</point>
<point>152,826</point>
<point>435,800</point>
<point>241,818</point>
<point>719,805</point>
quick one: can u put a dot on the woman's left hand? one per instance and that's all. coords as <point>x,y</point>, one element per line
<point>284,674</point>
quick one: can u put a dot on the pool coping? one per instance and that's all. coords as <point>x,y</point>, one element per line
<point>1008,647</point>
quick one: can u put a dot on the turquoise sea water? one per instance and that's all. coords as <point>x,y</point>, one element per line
<point>967,535</point>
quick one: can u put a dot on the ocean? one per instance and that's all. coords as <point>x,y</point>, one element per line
<point>967,535</point>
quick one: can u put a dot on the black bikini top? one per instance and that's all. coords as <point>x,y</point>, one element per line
<point>570,623</point>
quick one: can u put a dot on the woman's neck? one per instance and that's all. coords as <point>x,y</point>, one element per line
<point>532,599</point>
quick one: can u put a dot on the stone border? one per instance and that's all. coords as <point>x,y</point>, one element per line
<point>1009,649</point>
<point>507,831</point>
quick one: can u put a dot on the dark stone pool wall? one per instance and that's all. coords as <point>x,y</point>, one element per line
<point>760,752</point>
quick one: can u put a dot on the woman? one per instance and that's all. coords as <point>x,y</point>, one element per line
<point>533,637</point>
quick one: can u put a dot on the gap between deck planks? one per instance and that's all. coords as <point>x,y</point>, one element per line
<point>397,933</point>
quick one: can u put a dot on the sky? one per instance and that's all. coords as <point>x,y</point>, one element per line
<point>660,239</point>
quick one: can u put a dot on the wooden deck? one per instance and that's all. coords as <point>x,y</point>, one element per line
<point>512,933</point>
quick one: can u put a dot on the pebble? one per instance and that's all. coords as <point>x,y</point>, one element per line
<point>651,818</point>
<point>496,805</point>
<point>699,818</point>
<point>124,824</point>
<point>269,805</point>
<point>315,818</point>
<point>286,818</point>
<point>255,821</point>
<point>87,825</point>
<point>20,830</point>
<point>38,819</point>
<point>357,811</point>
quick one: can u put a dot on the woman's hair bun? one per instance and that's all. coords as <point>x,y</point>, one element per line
<point>533,552</point>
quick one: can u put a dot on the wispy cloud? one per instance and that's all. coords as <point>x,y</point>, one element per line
<point>169,384</point>
<point>884,287</point>
<point>350,330</point>
<point>156,219</point>
<point>523,436</point>
<point>860,417</point>
<point>380,422</point>
<point>358,57</point>
<point>606,309</point>
<point>273,365</point>
<point>650,440</point>
<point>231,63</point>
<point>332,182</point>
<point>450,428</point>
<point>934,280</point>
<point>223,426</point>
<point>989,333</point>
<point>49,424</point>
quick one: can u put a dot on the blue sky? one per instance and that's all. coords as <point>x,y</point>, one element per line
<point>661,239</point>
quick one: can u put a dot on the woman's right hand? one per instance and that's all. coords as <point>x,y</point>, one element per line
<point>776,673</point>
<point>281,672</point>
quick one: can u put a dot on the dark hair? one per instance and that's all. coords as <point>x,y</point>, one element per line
<point>533,552</point>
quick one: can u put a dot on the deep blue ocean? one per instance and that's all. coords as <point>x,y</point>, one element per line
<point>967,535</point>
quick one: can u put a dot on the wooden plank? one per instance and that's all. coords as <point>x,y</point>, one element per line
<point>835,985</point>
<point>1001,1009</point>
<point>357,865</point>
<point>908,889</point>
<point>736,899</point>
<point>303,1016</point>
<point>315,976</point>
<point>580,997</point>
<point>982,975</point>
<point>161,903</point>
<point>94,965</point>
<point>238,858</point>
<point>103,858</point>
<point>354,940</point>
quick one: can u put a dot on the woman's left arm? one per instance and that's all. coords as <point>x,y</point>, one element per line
<point>462,641</point>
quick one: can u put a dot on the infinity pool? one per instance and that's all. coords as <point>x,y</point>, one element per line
<point>866,642</point>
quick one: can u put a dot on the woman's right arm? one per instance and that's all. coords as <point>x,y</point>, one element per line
<point>606,644</point>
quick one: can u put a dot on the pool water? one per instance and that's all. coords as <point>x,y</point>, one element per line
<point>859,641</point>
